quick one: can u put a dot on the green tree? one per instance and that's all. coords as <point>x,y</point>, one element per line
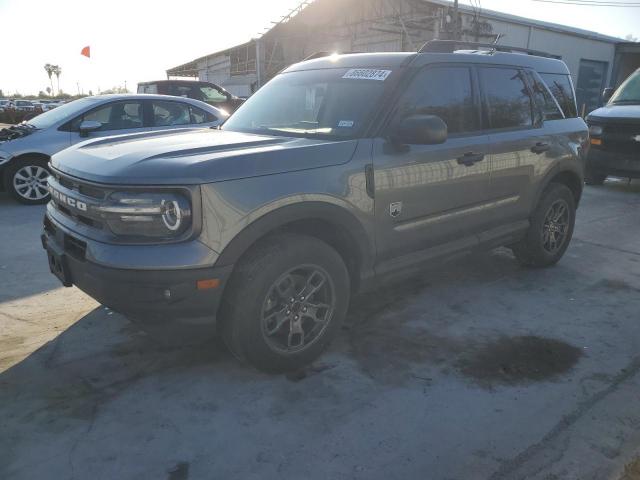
<point>49,69</point>
<point>57,71</point>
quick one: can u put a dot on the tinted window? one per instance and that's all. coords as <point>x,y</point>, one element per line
<point>170,113</point>
<point>562,89</point>
<point>200,116</point>
<point>183,91</point>
<point>445,92</point>
<point>544,99</point>
<point>508,100</point>
<point>114,116</point>
<point>210,94</point>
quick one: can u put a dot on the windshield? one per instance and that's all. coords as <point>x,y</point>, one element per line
<point>63,112</point>
<point>629,91</point>
<point>332,104</point>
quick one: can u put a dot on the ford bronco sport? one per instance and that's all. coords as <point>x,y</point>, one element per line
<point>340,172</point>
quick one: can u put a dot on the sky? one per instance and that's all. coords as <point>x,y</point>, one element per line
<point>137,40</point>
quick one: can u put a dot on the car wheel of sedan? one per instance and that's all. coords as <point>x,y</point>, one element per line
<point>26,181</point>
<point>550,229</point>
<point>287,299</point>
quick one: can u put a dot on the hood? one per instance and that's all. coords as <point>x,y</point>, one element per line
<point>616,114</point>
<point>195,156</point>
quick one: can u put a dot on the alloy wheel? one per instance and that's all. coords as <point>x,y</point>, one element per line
<point>30,182</point>
<point>555,226</point>
<point>298,308</point>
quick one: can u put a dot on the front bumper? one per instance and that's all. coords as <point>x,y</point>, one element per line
<point>147,294</point>
<point>610,163</point>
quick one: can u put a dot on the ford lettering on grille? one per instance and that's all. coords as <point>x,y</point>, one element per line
<point>67,200</point>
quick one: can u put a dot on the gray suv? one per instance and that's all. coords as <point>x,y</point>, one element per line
<point>341,172</point>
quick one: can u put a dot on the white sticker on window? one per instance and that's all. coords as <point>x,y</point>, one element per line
<point>345,123</point>
<point>367,74</point>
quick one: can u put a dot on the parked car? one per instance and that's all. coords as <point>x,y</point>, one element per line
<point>339,173</point>
<point>25,149</point>
<point>4,103</point>
<point>204,91</point>
<point>23,105</point>
<point>615,134</point>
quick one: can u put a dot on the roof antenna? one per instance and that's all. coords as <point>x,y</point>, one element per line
<point>498,37</point>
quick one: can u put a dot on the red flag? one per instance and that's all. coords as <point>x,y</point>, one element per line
<point>86,51</point>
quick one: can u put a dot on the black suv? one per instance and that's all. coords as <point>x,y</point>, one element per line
<point>338,174</point>
<point>204,91</point>
<point>615,134</point>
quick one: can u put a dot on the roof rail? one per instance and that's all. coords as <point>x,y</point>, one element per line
<point>450,46</point>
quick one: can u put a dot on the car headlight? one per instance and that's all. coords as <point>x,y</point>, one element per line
<point>161,216</point>
<point>595,130</point>
<point>4,157</point>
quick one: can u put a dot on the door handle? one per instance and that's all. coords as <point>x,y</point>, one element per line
<point>540,147</point>
<point>470,158</point>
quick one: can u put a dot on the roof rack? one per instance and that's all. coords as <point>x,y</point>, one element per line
<point>450,46</point>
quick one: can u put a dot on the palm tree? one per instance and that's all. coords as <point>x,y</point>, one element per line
<point>49,69</point>
<point>57,71</point>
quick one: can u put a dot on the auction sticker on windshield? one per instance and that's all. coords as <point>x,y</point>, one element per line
<point>367,74</point>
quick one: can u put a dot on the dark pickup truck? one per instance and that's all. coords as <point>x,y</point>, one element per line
<point>338,174</point>
<point>206,92</point>
<point>615,134</point>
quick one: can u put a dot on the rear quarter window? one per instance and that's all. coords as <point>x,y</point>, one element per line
<point>562,89</point>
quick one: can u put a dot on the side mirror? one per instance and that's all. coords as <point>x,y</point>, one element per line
<point>421,130</point>
<point>607,93</point>
<point>88,126</point>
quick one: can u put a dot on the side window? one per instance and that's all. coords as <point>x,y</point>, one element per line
<point>562,89</point>
<point>544,99</point>
<point>508,101</point>
<point>445,92</point>
<point>114,116</point>
<point>200,116</point>
<point>181,91</point>
<point>210,94</point>
<point>167,113</point>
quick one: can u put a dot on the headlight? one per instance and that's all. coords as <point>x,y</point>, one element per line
<point>150,215</point>
<point>595,130</point>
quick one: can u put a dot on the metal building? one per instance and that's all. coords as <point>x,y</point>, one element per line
<point>595,60</point>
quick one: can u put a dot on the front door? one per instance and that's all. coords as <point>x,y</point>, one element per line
<point>428,195</point>
<point>119,117</point>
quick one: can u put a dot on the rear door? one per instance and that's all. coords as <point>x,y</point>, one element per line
<point>519,143</point>
<point>426,195</point>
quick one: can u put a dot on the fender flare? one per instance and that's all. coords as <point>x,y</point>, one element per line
<point>309,210</point>
<point>571,168</point>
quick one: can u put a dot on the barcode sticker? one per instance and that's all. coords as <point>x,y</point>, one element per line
<point>367,74</point>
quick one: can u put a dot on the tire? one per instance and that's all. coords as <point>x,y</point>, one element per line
<point>26,180</point>
<point>538,249</point>
<point>258,321</point>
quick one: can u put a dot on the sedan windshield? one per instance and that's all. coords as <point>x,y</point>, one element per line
<point>331,104</point>
<point>66,111</point>
<point>629,91</point>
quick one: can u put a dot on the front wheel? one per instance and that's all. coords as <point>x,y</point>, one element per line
<point>550,229</point>
<point>285,302</point>
<point>26,181</point>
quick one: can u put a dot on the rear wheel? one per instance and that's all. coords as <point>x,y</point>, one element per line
<point>550,229</point>
<point>286,301</point>
<point>26,180</point>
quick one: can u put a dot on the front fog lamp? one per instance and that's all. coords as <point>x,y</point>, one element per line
<point>150,215</point>
<point>595,130</point>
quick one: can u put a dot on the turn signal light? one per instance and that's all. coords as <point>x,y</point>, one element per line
<point>208,283</point>
<point>596,141</point>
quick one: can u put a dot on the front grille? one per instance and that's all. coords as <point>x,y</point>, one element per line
<point>79,191</point>
<point>620,138</point>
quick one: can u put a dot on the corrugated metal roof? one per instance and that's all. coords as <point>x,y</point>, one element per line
<point>527,21</point>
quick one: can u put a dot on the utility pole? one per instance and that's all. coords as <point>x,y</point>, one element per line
<point>456,21</point>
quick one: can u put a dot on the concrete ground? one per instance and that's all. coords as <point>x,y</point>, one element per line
<point>478,370</point>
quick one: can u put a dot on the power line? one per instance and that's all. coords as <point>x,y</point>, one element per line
<point>584,3</point>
